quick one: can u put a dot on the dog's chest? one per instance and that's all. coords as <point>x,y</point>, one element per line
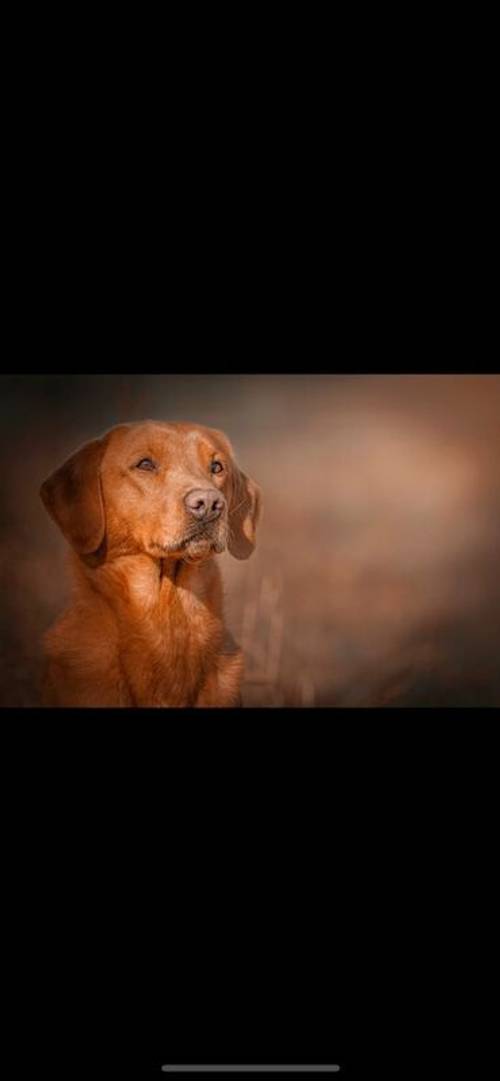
<point>184,638</point>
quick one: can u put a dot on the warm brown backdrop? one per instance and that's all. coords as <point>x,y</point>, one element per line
<point>375,580</point>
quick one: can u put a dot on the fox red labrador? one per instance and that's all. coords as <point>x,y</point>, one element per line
<point>145,509</point>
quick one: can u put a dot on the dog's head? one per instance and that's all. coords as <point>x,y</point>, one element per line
<point>170,490</point>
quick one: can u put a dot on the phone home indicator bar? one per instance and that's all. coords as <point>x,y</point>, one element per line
<point>251,1069</point>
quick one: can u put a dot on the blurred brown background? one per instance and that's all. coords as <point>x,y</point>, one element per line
<point>375,580</point>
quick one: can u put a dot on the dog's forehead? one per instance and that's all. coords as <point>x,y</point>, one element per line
<point>163,437</point>
<point>198,433</point>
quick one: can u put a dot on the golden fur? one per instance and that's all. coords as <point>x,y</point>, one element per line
<point>145,627</point>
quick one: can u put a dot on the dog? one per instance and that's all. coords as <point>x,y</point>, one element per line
<point>145,509</point>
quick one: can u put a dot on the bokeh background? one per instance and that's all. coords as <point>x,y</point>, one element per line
<point>376,577</point>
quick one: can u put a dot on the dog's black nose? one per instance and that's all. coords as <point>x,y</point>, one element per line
<point>205,503</point>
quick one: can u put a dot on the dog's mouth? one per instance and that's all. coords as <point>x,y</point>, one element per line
<point>198,544</point>
<point>198,551</point>
<point>203,542</point>
<point>201,545</point>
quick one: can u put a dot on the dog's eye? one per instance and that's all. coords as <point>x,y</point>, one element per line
<point>145,463</point>
<point>216,467</point>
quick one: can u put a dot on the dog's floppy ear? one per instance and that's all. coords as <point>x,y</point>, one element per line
<point>73,497</point>
<point>244,514</point>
